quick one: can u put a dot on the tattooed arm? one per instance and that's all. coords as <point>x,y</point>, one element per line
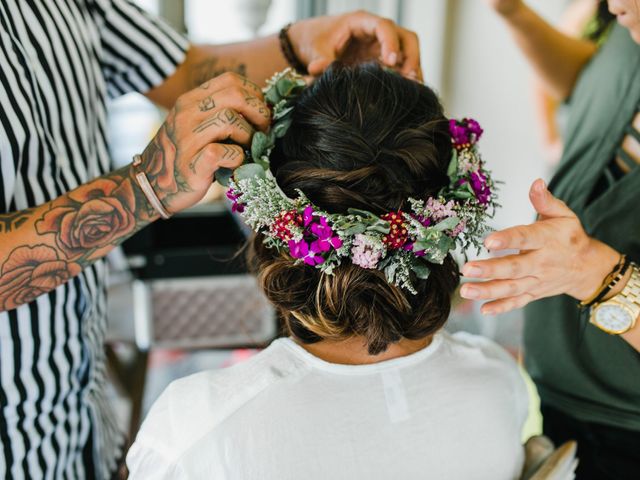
<point>43,247</point>
<point>352,37</point>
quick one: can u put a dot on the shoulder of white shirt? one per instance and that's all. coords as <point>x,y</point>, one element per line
<point>183,414</point>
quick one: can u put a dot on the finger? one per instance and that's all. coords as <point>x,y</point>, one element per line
<point>230,79</point>
<point>498,289</point>
<point>507,304</point>
<point>214,156</point>
<point>385,32</point>
<point>507,267</point>
<point>325,52</point>
<point>411,50</point>
<point>224,124</point>
<point>241,100</point>
<point>545,203</point>
<point>521,237</point>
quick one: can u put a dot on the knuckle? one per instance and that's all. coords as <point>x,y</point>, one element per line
<point>181,102</point>
<point>512,288</point>
<point>231,76</point>
<point>514,268</point>
<point>210,153</point>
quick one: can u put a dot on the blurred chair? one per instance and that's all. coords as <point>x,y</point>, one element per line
<point>191,290</point>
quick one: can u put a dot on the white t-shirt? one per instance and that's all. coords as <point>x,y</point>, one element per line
<point>453,410</point>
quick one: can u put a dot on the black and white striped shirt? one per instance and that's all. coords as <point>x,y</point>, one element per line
<point>60,60</point>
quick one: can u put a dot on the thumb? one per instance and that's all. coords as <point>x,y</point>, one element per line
<point>545,203</point>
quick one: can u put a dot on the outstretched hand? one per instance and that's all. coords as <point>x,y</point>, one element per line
<point>556,256</point>
<point>353,38</point>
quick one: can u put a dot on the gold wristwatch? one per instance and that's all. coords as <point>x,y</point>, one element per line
<point>619,314</point>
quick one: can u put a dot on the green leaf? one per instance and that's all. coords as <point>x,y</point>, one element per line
<point>355,229</point>
<point>285,86</point>
<point>280,129</point>
<point>390,272</point>
<point>380,226</point>
<point>452,170</point>
<point>263,161</point>
<point>282,112</point>
<point>362,213</point>
<point>462,194</point>
<point>420,268</point>
<point>421,245</point>
<point>272,96</point>
<point>446,224</point>
<point>260,143</point>
<point>250,170</point>
<point>223,175</point>
<point>382,264</point>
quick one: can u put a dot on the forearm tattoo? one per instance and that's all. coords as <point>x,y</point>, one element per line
<point>203,71</point>
<point>13,221</point>
<point>73,231</point>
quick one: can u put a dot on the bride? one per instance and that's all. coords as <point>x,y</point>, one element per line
<point>357,197</point>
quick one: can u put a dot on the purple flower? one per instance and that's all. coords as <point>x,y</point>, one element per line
<point>311,254</point>
<point>480,187</point>
<point>458,133</point>
<point>307,215</point>
<point>298,249</point>
<point>475,128</point>
<point>325,235</point>
<point>236,206</point>
<point>464,132</point>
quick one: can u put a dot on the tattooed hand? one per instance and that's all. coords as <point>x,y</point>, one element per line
<point>355,37</point>
<point>206,129</point>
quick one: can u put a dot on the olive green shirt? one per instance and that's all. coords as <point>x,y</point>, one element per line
<point>579,369</point>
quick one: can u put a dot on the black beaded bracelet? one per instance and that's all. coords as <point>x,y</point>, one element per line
<point>611,281</point>
<point>289,53</point>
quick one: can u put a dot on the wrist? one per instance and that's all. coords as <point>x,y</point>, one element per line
<point>293,34</point>
<point>598,261</point>
<point>144,206</point>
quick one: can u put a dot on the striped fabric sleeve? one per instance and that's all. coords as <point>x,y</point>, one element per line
<point>139,50</point>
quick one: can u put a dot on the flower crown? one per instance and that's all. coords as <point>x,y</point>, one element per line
<point>398,243</point>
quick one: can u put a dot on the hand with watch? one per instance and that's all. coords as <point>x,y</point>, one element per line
<point>556,256</point>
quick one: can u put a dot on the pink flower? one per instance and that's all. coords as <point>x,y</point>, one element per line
<point>364,253</point>
<point>439,210</point>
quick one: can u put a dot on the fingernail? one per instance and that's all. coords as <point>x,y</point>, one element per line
<point>392,58</point>
<point>494,244</point>
<point>542,186</point>
<point>469,292</point>
<point>471,271</point>
<point>488,311</point>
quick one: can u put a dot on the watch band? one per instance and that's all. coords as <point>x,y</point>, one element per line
<point>628,299</point>
<point>631,291</point>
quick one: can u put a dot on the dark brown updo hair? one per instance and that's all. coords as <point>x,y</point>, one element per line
<point>361,137</point>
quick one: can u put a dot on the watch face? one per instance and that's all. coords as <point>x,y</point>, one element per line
<point>613,318</point>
